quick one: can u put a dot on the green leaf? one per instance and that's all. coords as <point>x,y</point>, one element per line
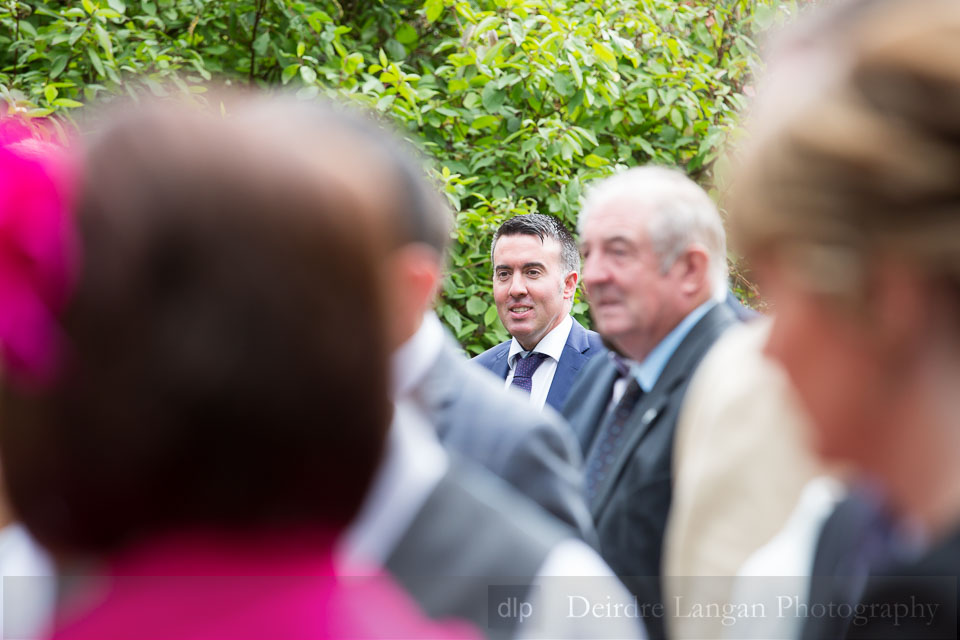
<point>594,161</point>
<point>59,64</point>
<point>453,318</point>
<point>383,59</point>
<point>351,63</point>
<point>88,6</point>
<point>67,102</point>
<point>605,53</point>
<point>104,40</point>
<point>492,97</point>
<point>95,60</point>
<point>261,43</point>
<point>406,34</point>
<point>485,121</point>
<point>50,93</point>
<point>289,71</point>
<point>476,306</point>
<point>491,315</point>
<point>764,17</point>
<point>676,118</point>
<point>308,75</point>
<point>301,49</point>
<point>563,84</point>
<point>396,50</point>
<point>646,146</point>
<point>317,19</point>
<point>117,5</point>
<point>575,70</point>
<point>433,9</point>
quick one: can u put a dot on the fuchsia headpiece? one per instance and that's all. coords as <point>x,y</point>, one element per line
<point>38,253</point>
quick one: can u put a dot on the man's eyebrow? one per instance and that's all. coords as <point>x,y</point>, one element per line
<point>609,240</point>
<point>526,265</point>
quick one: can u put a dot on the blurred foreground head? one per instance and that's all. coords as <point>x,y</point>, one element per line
<point>226,355</point>
<point>849,209</point>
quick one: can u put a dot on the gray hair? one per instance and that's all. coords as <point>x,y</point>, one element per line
<point>681,213</point>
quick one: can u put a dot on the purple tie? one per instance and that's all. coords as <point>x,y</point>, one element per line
<point>610,439</point>
<point>524,369</point>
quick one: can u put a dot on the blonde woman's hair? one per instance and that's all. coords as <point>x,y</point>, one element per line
<point>872,164</point>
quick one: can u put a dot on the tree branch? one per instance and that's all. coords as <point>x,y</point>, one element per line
<point>261,5</point>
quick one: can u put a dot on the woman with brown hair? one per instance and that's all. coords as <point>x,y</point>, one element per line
<point>213,400</point>
<point>849,210</point>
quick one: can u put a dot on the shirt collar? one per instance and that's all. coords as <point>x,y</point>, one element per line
<point>648,372</point>
<point>413,358</point>
<point>551,344</point>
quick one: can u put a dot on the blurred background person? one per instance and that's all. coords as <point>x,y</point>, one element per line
<point>743,457</point>
<point>655,271</point>
<point>204,418</point>
<point>459,505</point>
<point>849,209</point>
<point>31,169</point>
<point>741,460</point>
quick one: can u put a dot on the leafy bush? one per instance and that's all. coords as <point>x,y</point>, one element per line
<point>517,104</point>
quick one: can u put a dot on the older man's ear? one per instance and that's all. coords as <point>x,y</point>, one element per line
<point>692,270</point>
<point>413,275</point>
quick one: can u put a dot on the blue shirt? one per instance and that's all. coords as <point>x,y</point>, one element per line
<point>648,372</point>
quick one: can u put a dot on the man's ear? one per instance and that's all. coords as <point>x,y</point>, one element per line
<point>693,267</point>
<point>570,285</point>
<point>898,305</point>
<point>413,275</point>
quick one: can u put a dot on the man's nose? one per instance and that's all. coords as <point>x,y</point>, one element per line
<point>594,270</point>
<point>518,287</point>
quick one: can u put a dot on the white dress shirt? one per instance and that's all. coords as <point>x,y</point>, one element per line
<point>550,345</point>
<point>571,576</point>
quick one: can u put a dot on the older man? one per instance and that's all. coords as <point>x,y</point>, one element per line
<point>536,266</point>
<point>655,272</point>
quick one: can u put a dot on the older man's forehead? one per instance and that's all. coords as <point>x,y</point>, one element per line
<point>619,218</point>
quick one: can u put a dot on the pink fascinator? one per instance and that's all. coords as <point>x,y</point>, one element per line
<point>38,253</point>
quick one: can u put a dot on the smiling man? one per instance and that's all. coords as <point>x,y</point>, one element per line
<point>536,266</point>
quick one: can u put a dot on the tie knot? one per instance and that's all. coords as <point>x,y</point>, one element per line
<point>622,364</point>
<point>527,365</point>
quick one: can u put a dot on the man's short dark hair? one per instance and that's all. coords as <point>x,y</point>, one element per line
<point>542,226</point>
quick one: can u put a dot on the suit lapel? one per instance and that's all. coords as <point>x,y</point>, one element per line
<point>642,420</point>
<point>652,405</point>
<point>568,366</point>
<point>501,363</point>
<point>590,411</point>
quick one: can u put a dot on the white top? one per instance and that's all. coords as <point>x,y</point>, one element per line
<point>552,346</point>
<point>777,575</point>
<point>28,588</point>
<point>571,576</point>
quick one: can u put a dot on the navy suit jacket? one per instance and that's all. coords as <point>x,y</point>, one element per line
<point>582,344</point>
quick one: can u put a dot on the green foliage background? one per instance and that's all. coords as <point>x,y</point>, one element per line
<point>517,104</point>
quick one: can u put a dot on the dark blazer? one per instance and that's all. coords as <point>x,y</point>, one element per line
<point>534,451</point>
<point>630,508</point>
<point>914,584</point>
<point>582,344</point>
